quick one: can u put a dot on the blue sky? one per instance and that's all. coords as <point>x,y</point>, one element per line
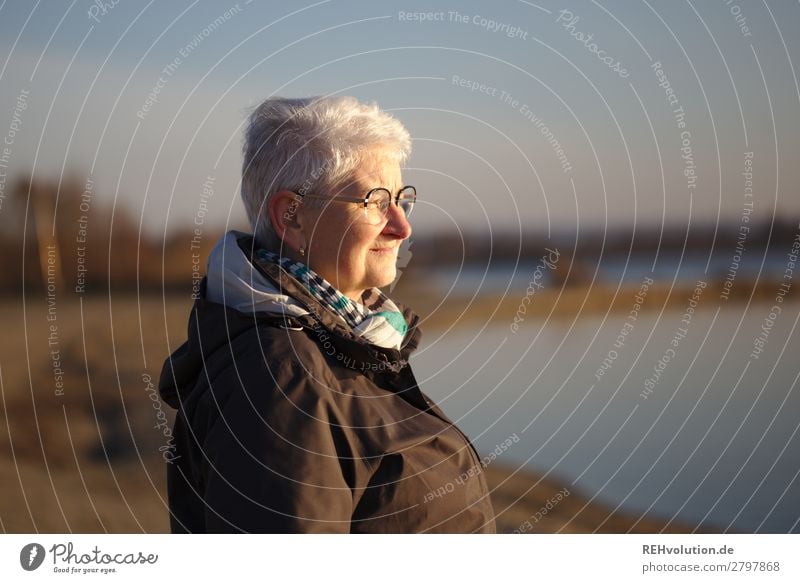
<point>481,160</point>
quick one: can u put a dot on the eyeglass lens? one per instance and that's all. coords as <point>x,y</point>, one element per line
<point>380,199</point>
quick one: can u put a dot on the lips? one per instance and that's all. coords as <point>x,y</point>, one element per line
<point>391,249</point>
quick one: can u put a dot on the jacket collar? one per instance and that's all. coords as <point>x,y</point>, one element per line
<point>319,319</point>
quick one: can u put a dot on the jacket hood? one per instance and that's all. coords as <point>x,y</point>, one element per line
<point>235,282</point>
<point>240,292</point>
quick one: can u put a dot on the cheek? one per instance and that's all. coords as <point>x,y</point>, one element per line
<point>334,237</point>
<point>344,253</point>
<point>357,242</point>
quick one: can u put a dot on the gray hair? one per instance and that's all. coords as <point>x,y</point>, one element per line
<point>311,143</point>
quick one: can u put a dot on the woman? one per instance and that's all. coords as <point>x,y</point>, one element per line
<point>297,408</point>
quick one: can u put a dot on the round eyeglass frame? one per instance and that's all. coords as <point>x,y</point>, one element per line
<point>366,200</point>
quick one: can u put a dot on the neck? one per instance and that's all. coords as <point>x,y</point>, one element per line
<point>354,295</point>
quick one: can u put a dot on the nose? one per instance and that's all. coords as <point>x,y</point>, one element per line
<point>397,224</point>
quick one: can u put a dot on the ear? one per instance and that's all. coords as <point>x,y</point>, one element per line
<point>283,208</point>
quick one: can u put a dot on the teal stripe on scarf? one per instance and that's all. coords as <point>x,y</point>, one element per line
<point>385,327</point>
<point>396,319</point>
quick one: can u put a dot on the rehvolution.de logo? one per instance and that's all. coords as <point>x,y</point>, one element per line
<point>31,556</point>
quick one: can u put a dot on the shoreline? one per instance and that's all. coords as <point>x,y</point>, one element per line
<point>579,301</point>
<point>529,503</point>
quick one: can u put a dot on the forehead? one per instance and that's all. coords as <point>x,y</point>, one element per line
<point>378,168</point>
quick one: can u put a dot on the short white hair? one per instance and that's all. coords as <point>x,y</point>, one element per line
<point>310,144</point>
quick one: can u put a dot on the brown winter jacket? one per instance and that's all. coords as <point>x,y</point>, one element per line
<point>291,424</point>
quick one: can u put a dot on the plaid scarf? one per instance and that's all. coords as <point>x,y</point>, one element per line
<point>381,324</point>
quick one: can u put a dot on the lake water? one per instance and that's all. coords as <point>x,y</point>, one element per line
<point>710,438</point>
<point>498,277</point>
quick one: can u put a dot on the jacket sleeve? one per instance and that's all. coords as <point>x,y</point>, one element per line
<point>279,458</point>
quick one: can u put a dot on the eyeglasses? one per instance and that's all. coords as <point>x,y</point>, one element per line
<point>377,201</point>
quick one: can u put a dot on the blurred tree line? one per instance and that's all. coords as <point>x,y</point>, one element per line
<point>68,234</point>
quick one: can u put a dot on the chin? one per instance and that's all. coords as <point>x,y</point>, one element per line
<point>382,277</point>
